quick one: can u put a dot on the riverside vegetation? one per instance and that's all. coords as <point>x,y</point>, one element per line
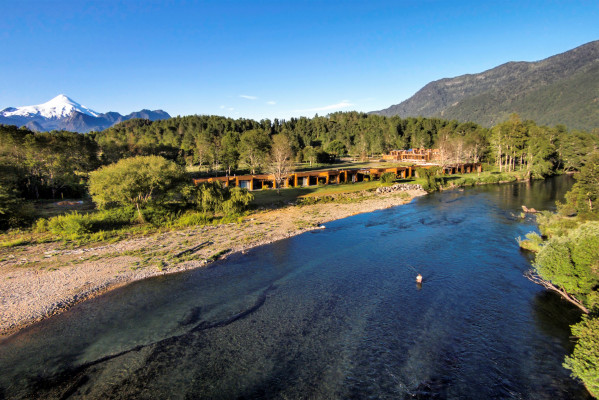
<point>567,261</point>
<point>57,165</point>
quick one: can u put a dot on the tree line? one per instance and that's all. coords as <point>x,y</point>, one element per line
<point>57,164</point>
<point>567,261</point>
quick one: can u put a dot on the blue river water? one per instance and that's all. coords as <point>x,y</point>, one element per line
<point>333,313</point>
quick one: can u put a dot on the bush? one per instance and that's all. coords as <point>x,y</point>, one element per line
<point>70,226</point>
<point>466,182</point>
<point>192,218</point>
<point>213,197</point>
<point>490,179</point>
<point>41,225</point>
<point>431,184</point>
<point>533,242</point>
<point>388,178</point>
<point>238,200</point>
<point>113,218</point>
<point>159,216</point>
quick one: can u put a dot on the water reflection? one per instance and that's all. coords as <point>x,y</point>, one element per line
<point>329,314</point>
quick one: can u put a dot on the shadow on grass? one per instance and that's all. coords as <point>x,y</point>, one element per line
<point>270,198</point>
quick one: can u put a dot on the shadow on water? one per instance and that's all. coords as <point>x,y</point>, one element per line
<point>334,313</point>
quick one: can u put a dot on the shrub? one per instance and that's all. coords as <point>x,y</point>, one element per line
<point>70,226</point>
<point>159,215</point>
<point>533,242</point>
<point>41,225</point>
<point>430,184</point>
<point>468,182</point>
<point>388,178</point>
<point>112,218</point>
<point>192,218</point>
<point>490,179</point>
<point>238,200</point>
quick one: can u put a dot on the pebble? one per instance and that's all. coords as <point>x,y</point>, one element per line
<point>398,187</point>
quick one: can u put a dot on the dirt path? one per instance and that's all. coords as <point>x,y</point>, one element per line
<point>41,280</point>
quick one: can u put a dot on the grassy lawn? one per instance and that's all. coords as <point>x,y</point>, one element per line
<point>205,171</point>
<point>267,197</point>
<point>270,196</point>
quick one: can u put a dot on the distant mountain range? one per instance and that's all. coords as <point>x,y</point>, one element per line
<point>63,113</point>
<point>562,89</point>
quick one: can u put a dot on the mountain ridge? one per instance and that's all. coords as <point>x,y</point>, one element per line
<point>64,113</point>
<point>490,96</point>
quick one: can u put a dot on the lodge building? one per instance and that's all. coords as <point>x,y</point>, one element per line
<point>327,177</point>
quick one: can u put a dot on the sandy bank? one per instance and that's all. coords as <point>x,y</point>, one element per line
<point>41,280</point>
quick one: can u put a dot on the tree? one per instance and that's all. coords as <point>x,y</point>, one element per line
<point>540,153</point>
<point>430,184</point>
<point>585,192</point>
<point>281,164</point>
<point>570,263</point>
<point>508,138</point>
<point>12,211</point>
<point>337,148</point>
<point>238,200</point>
<point>136,181</point>
<point>228,151</point>
<point>574,148</point>
<point>209,196</point>
<point>214,197</point>
<point>254,146</point>
<point>203,149</point>
<point>584,361</point>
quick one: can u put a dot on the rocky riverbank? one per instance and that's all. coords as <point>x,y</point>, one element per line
<point>37,281</point>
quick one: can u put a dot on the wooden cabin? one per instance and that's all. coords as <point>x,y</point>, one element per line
<point>416,155</point>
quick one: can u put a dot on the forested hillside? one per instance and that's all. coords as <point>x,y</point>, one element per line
<point>562,89</point>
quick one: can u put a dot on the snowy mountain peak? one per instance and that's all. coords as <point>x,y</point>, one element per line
<point>64,113</point>
<point>59,107</point>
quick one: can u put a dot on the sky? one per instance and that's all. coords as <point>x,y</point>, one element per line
<point>268,59</point>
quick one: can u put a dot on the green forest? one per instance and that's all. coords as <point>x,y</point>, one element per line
<point>57,165</point>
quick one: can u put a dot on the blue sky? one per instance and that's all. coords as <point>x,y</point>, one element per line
<point>268,59</point>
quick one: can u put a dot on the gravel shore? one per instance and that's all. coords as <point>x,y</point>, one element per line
<point>38,281</point>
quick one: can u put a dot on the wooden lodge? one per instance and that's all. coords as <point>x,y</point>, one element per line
<point>328,177</point>
<point>466,168</point>
<point>308,178</point>
<point>415,155</point>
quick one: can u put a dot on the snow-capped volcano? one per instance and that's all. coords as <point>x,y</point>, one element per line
<point>59,107</point>
<point>64,113</point>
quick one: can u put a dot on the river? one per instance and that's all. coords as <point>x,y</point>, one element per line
<point>333,313</point>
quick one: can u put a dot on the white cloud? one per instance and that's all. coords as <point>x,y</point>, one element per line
<point>222,107</point>
<point>248,97</point>
<point>342,104</point>
<point>272,103</point>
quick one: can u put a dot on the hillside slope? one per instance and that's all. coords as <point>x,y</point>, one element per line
<point>562,89</point>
